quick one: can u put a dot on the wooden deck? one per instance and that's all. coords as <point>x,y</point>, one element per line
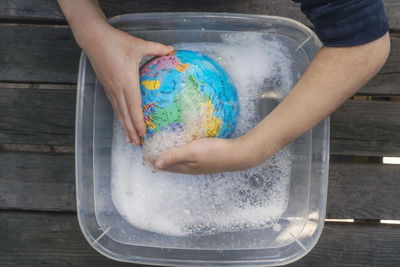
<point>38,72</point>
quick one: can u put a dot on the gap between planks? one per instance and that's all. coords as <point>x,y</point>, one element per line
<point>32,23</point>
<point>376,98</point>
<point>38,86</point>
<point>335,221</point>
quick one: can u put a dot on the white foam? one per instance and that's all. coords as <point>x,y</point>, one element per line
<point>182,205</point>
<point>195,118</point>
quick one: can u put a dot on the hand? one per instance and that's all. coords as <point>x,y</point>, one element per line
<point>207,155</point>
<point>115,57</point>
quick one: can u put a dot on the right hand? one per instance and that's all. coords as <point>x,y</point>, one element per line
<point>115,57</point>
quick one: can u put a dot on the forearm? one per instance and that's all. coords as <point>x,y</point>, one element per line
<point>333,76</point>
<point>86,20</point>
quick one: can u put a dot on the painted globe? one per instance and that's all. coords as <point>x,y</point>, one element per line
<point>188,92</point>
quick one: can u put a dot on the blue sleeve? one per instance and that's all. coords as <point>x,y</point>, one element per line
<point>346,22</point>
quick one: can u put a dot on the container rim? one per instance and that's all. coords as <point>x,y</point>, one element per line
<point>191,15</point>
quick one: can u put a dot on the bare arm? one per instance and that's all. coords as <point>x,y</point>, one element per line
<point>115,57</point>
<point>333,76</point>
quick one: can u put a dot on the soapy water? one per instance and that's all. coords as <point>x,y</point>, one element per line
<point>187,205</point>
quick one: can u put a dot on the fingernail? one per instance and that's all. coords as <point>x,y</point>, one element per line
<point>160,164</point>
<point>127,139</point>
<point>135,141</point>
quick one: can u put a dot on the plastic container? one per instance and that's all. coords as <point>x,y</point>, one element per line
<point>108,233</point>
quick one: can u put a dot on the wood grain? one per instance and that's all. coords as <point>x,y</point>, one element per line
<point>369,128</point>
<point>387,81</point>
<point>54,239</point>
<point>45,239</point>
<point>46,54</point>
<point>34,11</point>
<point>350,244</point>
<point>37,116</point>
<point>37,181</point>
<point>363,191</point>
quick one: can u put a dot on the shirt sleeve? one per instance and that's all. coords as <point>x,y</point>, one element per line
<point>346,22</point>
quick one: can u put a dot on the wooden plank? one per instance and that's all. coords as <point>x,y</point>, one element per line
<point>363,191</point>
<point>54,239</point>
<point>34,181</point>
<point>369,128</point>
<point>49,54</point>
<point>38,181</point>
<point>350,244</point>
<point>42,10</point>
<point>45,239</point>
<point>387,81</point>
<point>37,116</point>
<point>46,54</point>
<point>392,8</point>
<point>25,10</point>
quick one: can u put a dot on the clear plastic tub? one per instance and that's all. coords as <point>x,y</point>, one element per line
<point>104,228</point>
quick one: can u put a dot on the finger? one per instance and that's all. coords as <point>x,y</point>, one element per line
<point>173,157</point>
<point>133,100</point>
<point>117,112</point>
<point>127,120</point>
<point>157,49</point>
<point>186,168</point>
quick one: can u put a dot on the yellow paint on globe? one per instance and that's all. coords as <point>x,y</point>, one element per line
<point>151,85</point>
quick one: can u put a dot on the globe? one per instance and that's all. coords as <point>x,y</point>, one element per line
<point>190,94</point>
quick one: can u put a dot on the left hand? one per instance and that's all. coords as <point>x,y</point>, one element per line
<point>203,156</point>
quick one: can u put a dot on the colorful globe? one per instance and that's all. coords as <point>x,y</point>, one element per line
<point>188,92</point>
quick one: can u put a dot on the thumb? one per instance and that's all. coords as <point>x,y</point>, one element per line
<point>172,157</point>
<point>157,49</point>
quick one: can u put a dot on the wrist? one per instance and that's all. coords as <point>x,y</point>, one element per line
<point>245,156</point>
<point>92,34</point>
<point>257,146</point>
<point>86,20</point>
